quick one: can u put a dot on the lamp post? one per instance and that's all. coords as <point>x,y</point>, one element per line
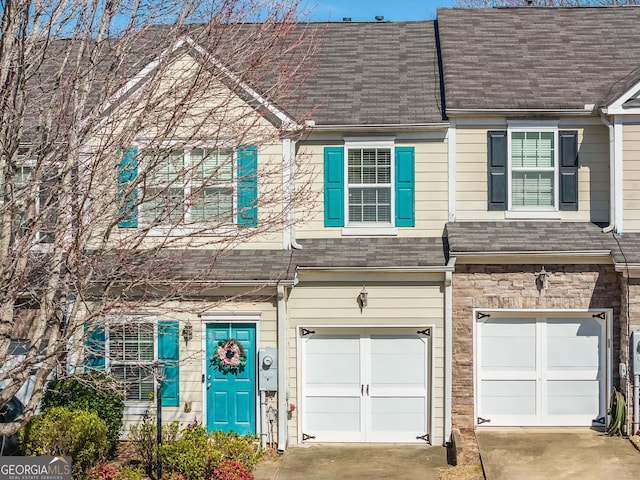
<point>159,374</point>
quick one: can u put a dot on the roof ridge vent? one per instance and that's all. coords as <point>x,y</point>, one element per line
<point>379,18</point>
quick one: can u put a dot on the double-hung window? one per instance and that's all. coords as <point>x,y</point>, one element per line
<point>369,186</point>
<point>199,187</point>
<point>132,353</point>
<point>532,170</point>
<point>369,177</point>
<point>131,347</point>
<point>188,186</point>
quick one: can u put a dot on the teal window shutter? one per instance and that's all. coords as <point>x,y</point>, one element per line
<point>405,187</point>
<point>568,169</point>
<point>94,348</point>
<point>497,169</point>
<point>169,354</point>
<point>127,173</point>
<point>334,187</point>
<point>248,186</point>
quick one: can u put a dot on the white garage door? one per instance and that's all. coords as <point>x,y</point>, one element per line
<point>365,386</point>
<point>541,371</point>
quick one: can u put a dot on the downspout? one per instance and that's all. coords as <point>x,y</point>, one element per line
<point>448,350</point>
<point>282,369</point>
<point>451,157</point>
<point>612,174</point>
<point>288,172</point>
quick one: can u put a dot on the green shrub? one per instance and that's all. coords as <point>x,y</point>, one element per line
<point>144,439</point>
<point>59,431</point>
<point>192,456</point>
<point>242,448</point>
<point>93,392</point>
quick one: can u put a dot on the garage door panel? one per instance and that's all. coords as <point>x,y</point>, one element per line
<point>572,397</point>
<point>508,345</point>
<point>389,357</point>
<point>508,398</point>
<point>398,414</point>
<point>337,368</point>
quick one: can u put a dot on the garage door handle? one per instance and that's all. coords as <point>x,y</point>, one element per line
<point>367,390</point>
<point>361,390</point>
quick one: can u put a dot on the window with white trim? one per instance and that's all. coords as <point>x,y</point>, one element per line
<point>533,169</point>
<point>188,186</point>
<point>131,352</point>
<point>369,186</point>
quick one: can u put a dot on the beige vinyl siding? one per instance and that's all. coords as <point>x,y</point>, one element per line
<point>192,355</point>
<point>318,304</point>
<point>431,207</point>
<point>593,173</point>
<point>231,114</point>
<point>631,177</point>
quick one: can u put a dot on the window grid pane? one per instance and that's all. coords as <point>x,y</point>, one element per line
<point>211,166</point>
<point>369,165</point>
<point>131,351</point>
<point>213,204</point>
<point>163,205</point>
<point>369,205</point>
<point>532,163</point>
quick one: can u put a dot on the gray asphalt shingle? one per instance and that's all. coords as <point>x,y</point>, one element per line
<point>538,58</point>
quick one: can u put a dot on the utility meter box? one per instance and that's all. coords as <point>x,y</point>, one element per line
<point>635,351</point>
<point>268,369</point>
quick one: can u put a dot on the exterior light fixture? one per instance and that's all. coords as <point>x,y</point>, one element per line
<point>542,279</point>
<point>187,333</point>
<point>363,298</point>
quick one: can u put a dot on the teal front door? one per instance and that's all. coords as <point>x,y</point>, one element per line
<point>231,395</point>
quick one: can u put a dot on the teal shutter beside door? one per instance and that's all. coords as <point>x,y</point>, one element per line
<point>127,196</point>
<point>497,169</point>
<point>405,186</point>
<point>568,169</point>
<point>248,186</point>
<point>94,347</point>
<point>334,187</point>
<point>169,354</point>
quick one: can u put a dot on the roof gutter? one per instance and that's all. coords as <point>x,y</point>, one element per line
<point>312,126</point>
<point>583,112</point>
<point>434,269</point>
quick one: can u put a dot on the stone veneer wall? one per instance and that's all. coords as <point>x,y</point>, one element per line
<point>514,287</point>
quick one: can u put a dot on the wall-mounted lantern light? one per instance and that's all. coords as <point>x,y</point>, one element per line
<point>363,298</point>
<point>542,279</point>
<point>187,333</point>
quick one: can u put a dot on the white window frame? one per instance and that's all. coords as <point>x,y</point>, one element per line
<point>516,126</point>
<point>369,228</point>
<point>137,407</point>
<point>187,227</point>
<point>30,163</point>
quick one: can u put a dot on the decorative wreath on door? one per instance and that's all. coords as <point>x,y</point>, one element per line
<point>230,356</point>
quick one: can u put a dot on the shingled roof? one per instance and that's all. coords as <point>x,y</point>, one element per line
<point>374,74</point>
<point>539,237</point>
<point>392,252</point>
<point>538,58</point>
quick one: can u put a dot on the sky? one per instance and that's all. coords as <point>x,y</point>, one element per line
<point>367,10</point>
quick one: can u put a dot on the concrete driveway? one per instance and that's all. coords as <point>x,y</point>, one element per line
<point>566,453</point>
<point>355,461</point>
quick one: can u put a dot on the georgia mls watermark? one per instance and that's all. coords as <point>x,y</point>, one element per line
<point>35,468</point>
